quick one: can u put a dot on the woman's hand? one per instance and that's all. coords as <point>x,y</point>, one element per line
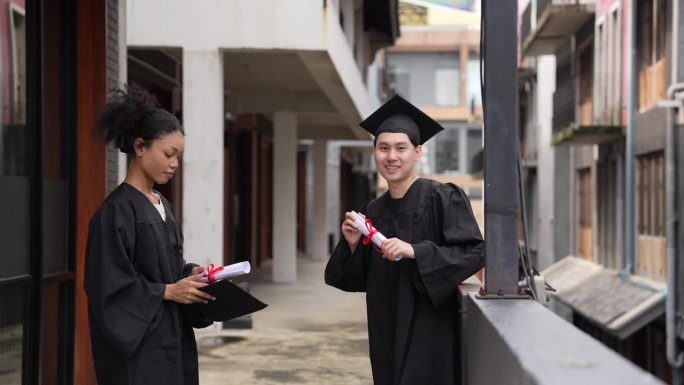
<point>186,291</point>
<point>394,247</point>
<point>350,232</point>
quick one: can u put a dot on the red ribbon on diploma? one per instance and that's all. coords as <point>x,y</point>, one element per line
<point>369,238</point>
<point>211,271</point>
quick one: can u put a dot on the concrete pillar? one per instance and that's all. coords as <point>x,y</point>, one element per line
<point>333,194</point>
<point>546,86</point>
<point>320,201</point>
<point>284,196</point>
<point>310,182</point>
<point>203,158</point>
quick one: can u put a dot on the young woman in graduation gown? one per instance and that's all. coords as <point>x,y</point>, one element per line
<point>411,303</point>
<point>135,277</point>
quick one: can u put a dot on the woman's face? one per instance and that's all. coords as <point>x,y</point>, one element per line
<point>161,159</point>
<point>395,156</point>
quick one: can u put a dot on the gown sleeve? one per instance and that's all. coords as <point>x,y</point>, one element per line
<point>346,270</point>
<point>443,267</point>
<point>121,301</point>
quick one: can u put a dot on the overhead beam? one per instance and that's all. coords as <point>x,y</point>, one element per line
<point>324,73</point>
<point>267,101</point>
<point>326,133</point>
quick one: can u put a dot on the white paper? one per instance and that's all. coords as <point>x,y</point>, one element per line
<point>377,238</point>
<point>229,271</point>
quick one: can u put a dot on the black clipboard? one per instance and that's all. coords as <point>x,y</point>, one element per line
<point>231,302</point>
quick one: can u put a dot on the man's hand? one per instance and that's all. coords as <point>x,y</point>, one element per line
<point>350,232</point>
<point>186,291</point>
<point>394,247</point>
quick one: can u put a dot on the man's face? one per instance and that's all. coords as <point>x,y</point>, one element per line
<point>395,156</point>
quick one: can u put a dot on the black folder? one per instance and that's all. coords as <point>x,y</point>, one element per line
<point>231,302</point>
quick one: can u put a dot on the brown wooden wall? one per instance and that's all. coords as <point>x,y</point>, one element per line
<point>90,159</point>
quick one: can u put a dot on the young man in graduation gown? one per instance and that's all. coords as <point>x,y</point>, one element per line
<point>433,244</point>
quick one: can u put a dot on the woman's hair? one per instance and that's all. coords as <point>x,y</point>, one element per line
<point>133,114</point>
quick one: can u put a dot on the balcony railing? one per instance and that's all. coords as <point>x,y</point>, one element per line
<point>506,341</point>
<point>572,122</point>
<point>563,100</point>
<point>556,22</point>
<point>543,5</point>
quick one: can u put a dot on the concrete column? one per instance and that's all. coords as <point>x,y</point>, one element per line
<point>203,158</point>
<point>310,182</point>
<point>463,149</point>
<point>320,201</point>
<point>333,194</point>
<point>284,196</point>
<point>546,86</point>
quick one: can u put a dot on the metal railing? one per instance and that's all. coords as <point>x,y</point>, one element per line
<point>543,5</point>
<point>563,100</point>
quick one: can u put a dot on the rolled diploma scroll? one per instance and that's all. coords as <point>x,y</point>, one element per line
<point>229,271</point>
<point>377,238</point>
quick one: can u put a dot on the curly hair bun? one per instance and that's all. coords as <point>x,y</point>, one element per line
<point>132,114</point>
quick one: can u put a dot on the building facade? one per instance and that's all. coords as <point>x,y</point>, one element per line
<point>58,59</point>
<point>435,64</point>
<point>247,97</point>
<point>258,86</point>
<point>593,142</point>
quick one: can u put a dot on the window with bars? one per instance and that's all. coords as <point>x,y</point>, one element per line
<point>473,80</point>
<point>651,43</point>
<point>651,190</point>
<point>650,179</point>
<point>447,154</point>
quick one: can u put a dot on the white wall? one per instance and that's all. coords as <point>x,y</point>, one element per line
<point>203,157</point>
<point>347,10</point>
<point>333,193</point>
<point>421,69</point>
<point>208,30</point>
<point>374,75</point>
<point>302,26</point>
<point>546,85</point>
<point>320,201</point>
<point>284,196</point>
<point>263,24</point>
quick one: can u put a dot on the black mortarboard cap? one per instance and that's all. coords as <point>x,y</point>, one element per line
<point>398,115</point>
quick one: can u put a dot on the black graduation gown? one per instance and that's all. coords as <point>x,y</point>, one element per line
<point>137,337</point>
<point>411,304</point>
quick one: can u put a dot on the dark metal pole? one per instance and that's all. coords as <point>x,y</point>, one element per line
<point>501,146</point>
<point>34,60</point>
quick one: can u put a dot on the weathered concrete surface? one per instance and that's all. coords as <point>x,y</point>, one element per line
<point>310,334</point>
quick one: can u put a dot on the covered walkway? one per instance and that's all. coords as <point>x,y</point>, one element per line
<point>310,334</point>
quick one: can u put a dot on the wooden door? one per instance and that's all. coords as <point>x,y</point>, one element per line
<point>585,209</point>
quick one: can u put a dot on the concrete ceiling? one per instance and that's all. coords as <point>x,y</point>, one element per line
<point>245,70</point>
<point>264,82</point>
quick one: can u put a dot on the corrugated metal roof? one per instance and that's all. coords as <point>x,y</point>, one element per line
<point>621,304</point>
